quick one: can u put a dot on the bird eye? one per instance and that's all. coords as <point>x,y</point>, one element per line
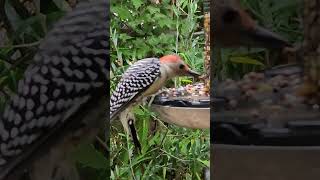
<point>181,66</point>
<point>229,16</point>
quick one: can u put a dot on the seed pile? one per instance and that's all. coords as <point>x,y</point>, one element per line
<point>190,90</point>
<point>258,89</point>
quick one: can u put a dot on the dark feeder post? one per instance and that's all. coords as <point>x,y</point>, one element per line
<point>207,52</point>
<point>311,49</point>
<point>295,156</point>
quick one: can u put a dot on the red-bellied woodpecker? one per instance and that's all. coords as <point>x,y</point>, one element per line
<point>144,78</point>
<point>232,26</point>
<point>61,99</point>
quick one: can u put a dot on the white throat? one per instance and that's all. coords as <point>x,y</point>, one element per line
<point>167,72</point>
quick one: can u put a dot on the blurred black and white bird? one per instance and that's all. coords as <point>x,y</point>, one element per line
<point>61,100</point>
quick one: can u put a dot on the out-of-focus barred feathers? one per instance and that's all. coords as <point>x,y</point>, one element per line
<point>71,68</point>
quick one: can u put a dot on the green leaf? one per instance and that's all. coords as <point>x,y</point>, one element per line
<point>187,81</point>
<point>137,3</point>
<point>12,15</point>
<point>164,21</point>
<point>124,37</point>
<point>12,80</point>
<point>246,60</point>
<point>53,17</point>
<point>153,10</point>
<point>88,156</point>
<point>122,12</point>
<point>139,111</point>
<point>205,162</point>
<point>139,160</point>
<point>33,24</point>
<point>62,5</point>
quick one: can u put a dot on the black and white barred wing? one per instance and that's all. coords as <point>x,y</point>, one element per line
<point>71,68</point>
<point>134,81</point>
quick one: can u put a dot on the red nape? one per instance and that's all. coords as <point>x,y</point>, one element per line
<point>172,58</point>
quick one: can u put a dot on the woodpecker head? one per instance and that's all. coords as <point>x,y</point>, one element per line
<point>175,66</point>
<point>232,26</point>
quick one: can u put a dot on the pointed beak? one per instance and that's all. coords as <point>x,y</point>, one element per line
<point>262,37</point>
<point>193,73</point>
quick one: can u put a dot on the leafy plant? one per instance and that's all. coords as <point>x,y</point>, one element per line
<point>282,17</point>
<point>27,29</point>
<point>141,29</point>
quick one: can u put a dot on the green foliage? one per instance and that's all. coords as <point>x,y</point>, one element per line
<point>24,35</point>
<point>17,54</point>
<point>282,17</point>
<point>93,164</point>
<point>141,29</point>
<point>170,153</point>
<point>138,29</point>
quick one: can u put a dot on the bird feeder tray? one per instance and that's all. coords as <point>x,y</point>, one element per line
<point>184,111</point>
<point>289,150</point>
<point>286,70</point>
<point>268,117</point>
<point>283,141</point>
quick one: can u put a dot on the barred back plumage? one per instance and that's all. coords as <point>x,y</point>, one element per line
<point>135,80</point>
<point>71,68</point>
